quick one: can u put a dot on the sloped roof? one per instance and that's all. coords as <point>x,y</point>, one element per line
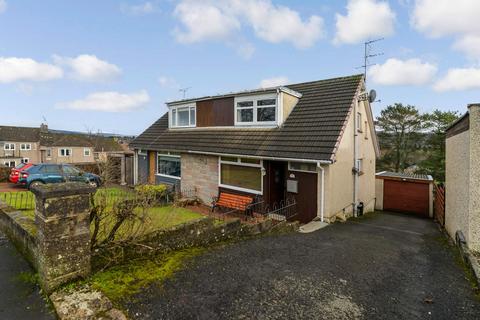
<point>311,131</point>
<point>58,139</point>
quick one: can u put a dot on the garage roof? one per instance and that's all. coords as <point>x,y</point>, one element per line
<point>401,175</point>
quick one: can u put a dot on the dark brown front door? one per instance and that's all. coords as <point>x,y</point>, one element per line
<point>407,197</point>
<point>276,183</point>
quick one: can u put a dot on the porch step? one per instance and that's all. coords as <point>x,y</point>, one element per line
<point>312,226</point>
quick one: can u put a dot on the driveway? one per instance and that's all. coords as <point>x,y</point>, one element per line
<point>10,187</point>
<point>383,266</point>
<point>20,298</point>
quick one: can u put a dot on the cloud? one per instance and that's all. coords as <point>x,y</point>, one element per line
<point>89,68</point>
<point>25,69</point>
<point>469,45</point>
<point>3,6</point>
<point>273,82</point>
<point>167,82</point>
<point>402,72</point>
<point>204,20</point>
<point>365,19</point>
<point>458,79</point>
<point>441,18</point>
<point>109,101</point>
<point>140,9</point>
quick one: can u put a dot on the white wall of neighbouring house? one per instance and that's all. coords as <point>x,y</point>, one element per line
<point>200,172</point>
<point>474,181</point>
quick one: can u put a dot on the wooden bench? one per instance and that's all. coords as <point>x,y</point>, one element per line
<point>232,201</point>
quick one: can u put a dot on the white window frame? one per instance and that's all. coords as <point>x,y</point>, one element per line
<point>49,153</point>
<point>255,100</point>
<point>359,122</point>
<point>142,152</point>
<point>23,160</point>
<point>65,153</point>
<point>297,170</point>
<point>174,120</point>
<point>242,164</point>
<point>168,154</point>
<point>8,163</point>
<point>87,152</point>
<point>9,144</point>
<point>26,146</point>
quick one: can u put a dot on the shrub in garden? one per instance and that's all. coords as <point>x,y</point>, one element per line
<point>153,194</point>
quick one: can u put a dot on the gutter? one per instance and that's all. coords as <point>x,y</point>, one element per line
<point>260,157</point>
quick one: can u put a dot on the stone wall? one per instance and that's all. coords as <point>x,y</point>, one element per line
<point>199,233</point>
<point>200,172</point>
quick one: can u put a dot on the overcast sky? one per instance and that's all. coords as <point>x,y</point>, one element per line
<point>111,65</point>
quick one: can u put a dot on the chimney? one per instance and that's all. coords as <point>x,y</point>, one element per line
<point>44,128</point>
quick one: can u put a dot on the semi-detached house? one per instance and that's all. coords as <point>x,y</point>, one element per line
<point>314,141</point>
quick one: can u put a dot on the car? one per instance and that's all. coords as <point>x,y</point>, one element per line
<point>15,172</point>
<point>56,173</point>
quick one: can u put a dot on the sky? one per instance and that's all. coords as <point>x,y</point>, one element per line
<point>110,66</point>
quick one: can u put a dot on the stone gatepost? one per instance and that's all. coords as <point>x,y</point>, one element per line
<point>63,232</point>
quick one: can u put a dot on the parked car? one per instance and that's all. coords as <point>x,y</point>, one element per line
<point>15,172</point>
<point>56,173</point>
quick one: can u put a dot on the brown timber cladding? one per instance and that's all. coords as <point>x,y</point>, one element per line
<point>216,112</point>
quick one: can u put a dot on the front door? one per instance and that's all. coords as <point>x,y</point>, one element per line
<point>277,185</point>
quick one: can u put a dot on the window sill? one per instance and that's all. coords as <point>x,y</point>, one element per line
<point>226,186</point>
<point>168,176</point>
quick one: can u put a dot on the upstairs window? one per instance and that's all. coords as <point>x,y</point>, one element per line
<point>183,117</point>
<point>9,146</point>
<point>260,110</point>
<point>26,146</point>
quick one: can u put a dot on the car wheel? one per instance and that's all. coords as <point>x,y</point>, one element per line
<point>93,183</point>
<point>35,184</point>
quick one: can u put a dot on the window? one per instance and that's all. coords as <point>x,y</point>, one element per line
<point>25,160</point>
<point>64,152</point>
<point>142,152</point>
<point>256,110</point>
<point>86,152</point>
<point>71,170</point>
<point>26,146</point>
<point>359,122</point>
<point>360,166</point>
<point>182,117</point>
<point>243,174</point>
<point>302,166</point>
<point>366,130</point>
<point>9,146</point>
<point>49,153</point>
<point>10,164</point>
<point>53,169</point>
<point>169,165</point>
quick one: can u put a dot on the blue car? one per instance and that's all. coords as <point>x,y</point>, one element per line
<point>56,173</point>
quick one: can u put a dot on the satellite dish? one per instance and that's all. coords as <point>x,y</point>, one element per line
<point>372,96</point>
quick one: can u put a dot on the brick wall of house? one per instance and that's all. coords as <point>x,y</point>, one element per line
<point>201,172</point>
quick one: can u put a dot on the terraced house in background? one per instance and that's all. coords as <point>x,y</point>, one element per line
<point>26,144</point>
<point>314,141</point>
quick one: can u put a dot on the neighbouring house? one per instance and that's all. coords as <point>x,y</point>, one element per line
<point>314,141</point>
<point>24,144</point>
<point>462,195</point>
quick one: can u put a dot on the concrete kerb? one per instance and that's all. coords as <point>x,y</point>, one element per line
<point>468,257</point>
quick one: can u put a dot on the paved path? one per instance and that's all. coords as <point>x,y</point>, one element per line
<point>19,298</point>
<point>380,267</point>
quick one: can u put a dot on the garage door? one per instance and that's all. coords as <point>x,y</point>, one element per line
<point>408,197</point>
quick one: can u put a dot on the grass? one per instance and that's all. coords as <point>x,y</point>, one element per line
<point>126,280</point>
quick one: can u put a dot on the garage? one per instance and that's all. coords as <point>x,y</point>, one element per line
<point>405,193</point>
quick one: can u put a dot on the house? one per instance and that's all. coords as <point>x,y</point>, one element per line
<point>24,144</point>
<point>314,141</point>
<point>462,199</point>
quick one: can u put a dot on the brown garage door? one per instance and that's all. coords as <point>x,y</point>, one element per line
<point>408,197</point>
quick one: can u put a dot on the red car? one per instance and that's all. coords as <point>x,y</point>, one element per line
<point>15,172</point>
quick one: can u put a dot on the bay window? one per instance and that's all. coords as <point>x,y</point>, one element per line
<point>169,165</point>
<point>183,116</point>
<point>241,174</point>
<point>260,110</point>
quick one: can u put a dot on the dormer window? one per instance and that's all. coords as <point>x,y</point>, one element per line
<point>183,116</point>
<point>259,110</point>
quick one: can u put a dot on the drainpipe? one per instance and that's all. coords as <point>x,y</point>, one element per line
<point>355,158</point>
<point>322,195</point>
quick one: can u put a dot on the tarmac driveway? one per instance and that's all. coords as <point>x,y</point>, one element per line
<point>383,266</point>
